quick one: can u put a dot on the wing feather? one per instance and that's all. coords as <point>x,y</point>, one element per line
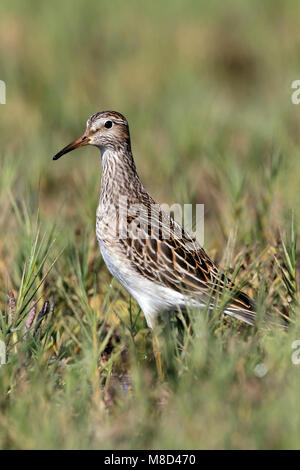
<point>169,256</point>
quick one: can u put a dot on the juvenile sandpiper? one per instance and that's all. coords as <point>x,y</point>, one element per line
<point>160,264</point>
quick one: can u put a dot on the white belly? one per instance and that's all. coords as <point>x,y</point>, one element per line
<point>151,297</point>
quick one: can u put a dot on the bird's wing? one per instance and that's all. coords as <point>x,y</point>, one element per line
<point>166,254</point>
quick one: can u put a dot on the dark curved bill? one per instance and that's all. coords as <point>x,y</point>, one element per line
<point>80,142</point>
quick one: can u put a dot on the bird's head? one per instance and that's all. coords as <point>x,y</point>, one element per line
<point>106,130</point>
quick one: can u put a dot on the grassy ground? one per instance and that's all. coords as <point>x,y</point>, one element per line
<point>206,89</point>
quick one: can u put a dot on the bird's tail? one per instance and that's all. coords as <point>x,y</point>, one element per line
<point>243,308</point>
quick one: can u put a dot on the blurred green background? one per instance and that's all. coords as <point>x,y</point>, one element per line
<point>206,88</point>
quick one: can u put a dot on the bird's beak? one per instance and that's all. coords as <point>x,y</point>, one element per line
<point>80,142</point>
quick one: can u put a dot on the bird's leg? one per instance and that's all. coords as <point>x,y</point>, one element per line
<point>157,355</point>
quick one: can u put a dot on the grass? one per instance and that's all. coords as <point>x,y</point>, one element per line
<point>206,89</point>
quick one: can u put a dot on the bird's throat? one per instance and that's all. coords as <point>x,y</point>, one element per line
<point>119,176</point>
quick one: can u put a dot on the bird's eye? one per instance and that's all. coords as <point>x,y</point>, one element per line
<point>108,124</point>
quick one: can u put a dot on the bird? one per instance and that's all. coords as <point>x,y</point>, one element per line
<point>161,265</point>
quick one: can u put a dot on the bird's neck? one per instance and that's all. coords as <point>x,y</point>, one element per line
<point>119,176</point>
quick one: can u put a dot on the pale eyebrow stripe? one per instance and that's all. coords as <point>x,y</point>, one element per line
<point>112,119</point>
<point>118,121</point>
